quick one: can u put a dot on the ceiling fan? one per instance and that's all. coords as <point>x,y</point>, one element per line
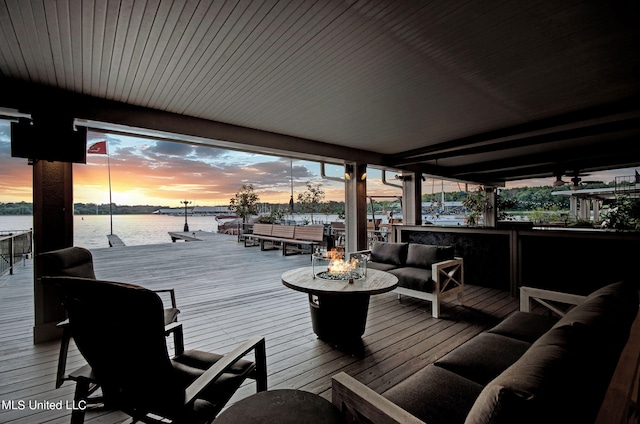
<point>575,180</point>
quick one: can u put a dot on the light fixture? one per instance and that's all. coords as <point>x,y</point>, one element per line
<point>349,172</point>
<point>403,178</point>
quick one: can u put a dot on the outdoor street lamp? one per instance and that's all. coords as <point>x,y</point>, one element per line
<point>186,226</point>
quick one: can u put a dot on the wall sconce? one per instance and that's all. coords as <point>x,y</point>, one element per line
<point>349,173</point>
<point>403,178</point>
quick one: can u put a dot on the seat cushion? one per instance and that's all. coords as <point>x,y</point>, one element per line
<point>380,266</point>
<point>170,315</point>
<point>483,357</point>
<point>414,278</point>
<point>559,379</point>
<point>194,360</point>
<point>540,384</point>
<point>192,363</point>
<point>435,395</point>
<point>389,253</point>
<point>524,326</point>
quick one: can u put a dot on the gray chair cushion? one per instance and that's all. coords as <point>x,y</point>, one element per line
<point>435,395</point>
<point>70,262</point>
<point>524,326</point>
<point>563,377</point>
<point>483,357</point>
<point>414,278</point>
<point>540,387</point>
<point>381,266</point>
<point>170,315</point>
<point>425,255</point>
<point>389,253</point>
<point>605,308</point>
<point>422,255</point>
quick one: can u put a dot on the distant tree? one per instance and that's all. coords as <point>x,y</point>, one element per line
<point>310,199</point>
<point>19,208</point>
<point>245,202</point>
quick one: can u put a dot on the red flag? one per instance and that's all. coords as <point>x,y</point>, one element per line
<point>99,148</point>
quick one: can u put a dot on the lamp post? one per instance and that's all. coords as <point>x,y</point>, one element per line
<point>186,226</point>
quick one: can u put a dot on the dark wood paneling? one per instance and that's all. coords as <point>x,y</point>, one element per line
<point>486,255</point>
<point>578,263</point>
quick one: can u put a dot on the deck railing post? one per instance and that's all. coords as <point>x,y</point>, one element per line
<point>11,255</point>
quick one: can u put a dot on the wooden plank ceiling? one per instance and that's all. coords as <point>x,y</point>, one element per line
<point>472,90</point>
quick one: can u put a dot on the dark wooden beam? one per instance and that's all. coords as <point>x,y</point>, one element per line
<point>27,97</point>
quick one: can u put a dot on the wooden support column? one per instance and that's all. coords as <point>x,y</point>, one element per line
<point>573,206</point>
<point>585,207</point>
<point>411,198</point>
<point>491,210</point>
<point>596,210</point>
<point>355,191</point>
<point>52,229</point>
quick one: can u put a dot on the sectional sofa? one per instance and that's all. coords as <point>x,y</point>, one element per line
<point>530,368</point>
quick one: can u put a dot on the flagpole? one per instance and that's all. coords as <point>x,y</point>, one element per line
<point>291,201</point>
<point>110,201</point>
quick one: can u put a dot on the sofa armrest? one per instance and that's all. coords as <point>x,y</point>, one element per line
<point>448,275</point>
<point>360,404</point>
<point>366,252</point>
<point>622,394</point>
<point>541,296</point>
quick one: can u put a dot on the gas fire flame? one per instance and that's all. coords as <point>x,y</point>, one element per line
<point>339,266</point>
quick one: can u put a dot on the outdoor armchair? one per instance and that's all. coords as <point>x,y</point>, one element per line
<point>78,262</point>
<point>130,361</point>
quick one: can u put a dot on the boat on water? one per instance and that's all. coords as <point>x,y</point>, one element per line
<point>228,224</point>
<point>443,219</point>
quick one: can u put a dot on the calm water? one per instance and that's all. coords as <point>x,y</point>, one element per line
<point>91,231</point>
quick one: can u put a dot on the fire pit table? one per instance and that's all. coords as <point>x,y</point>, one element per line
<point>339,306</point>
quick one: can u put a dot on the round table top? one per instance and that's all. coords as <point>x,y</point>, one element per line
<point>283,406</point>
<point>302,279</point>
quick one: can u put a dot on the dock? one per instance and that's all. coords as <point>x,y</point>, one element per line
<point>192,236</point>
<point>115,241</point>
<point>227,293</point>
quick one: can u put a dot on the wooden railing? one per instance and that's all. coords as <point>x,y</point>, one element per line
<point>15,246</point>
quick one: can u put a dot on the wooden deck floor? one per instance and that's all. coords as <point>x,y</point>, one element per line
<point>227,293</point>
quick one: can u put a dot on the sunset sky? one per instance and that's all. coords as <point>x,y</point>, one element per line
<point>150,172</point>
<point>161,173</point>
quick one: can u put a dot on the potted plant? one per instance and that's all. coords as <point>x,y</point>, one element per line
<point>476,203</point>
<point>624,214</point>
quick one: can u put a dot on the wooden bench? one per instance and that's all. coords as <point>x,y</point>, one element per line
<point>304,238</point>
<point>259,231</point>
<point>279,234</point>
